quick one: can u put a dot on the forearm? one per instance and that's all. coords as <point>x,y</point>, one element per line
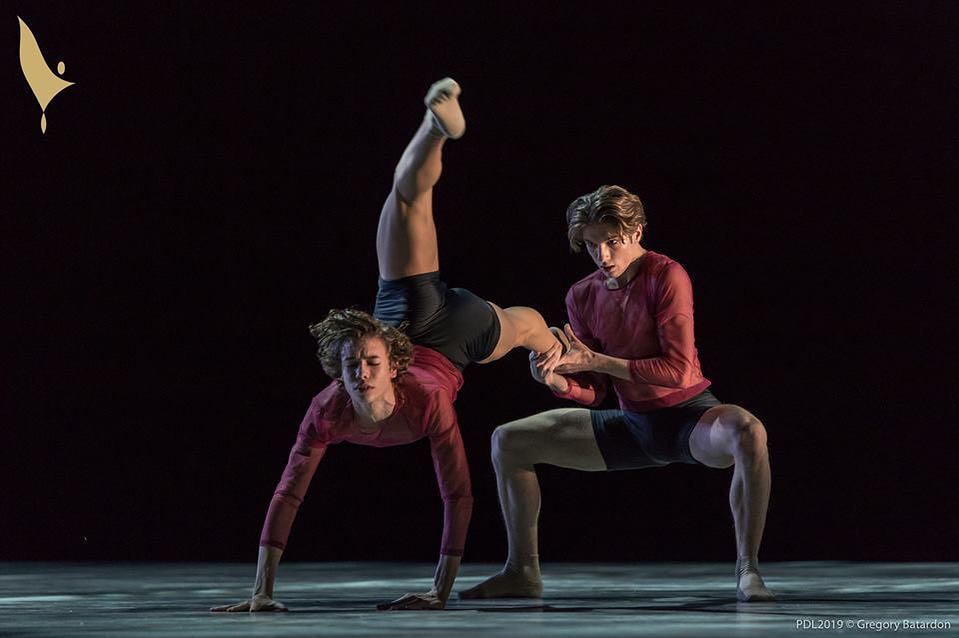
<point>613,366</point>
<point>267,563</point>
<point>658,370</point>
<point>446,571</point>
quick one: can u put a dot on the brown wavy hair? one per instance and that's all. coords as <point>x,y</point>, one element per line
<point>606,204</point>
<point>349,324</point>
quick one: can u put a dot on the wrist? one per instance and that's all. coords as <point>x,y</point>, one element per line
<point>595,362</point>
<point>560,385</point>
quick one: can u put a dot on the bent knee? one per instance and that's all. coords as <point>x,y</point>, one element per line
<point>744,433</point>
<point>516,441</point>
<point>506,439</point>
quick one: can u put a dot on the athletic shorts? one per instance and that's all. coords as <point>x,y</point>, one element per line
<point>452,321</point>
<point>633,440</point>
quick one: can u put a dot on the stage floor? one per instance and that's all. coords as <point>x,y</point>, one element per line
<point>337,599</point>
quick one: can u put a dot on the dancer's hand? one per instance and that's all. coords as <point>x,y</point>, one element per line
<point>538,370</point>
<point>257,603</point>
<point>579,358</point>
<point>429,600</point>
<point>547,360</point>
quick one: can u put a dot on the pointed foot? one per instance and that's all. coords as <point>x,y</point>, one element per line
<point>445,109</point>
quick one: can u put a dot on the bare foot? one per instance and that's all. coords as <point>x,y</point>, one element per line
<point>445,108</point>
<point>750,587</point>
<point>507,584</point>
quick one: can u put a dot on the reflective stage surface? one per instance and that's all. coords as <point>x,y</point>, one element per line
<point>337,599</point>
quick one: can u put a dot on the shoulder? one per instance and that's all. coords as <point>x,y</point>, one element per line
<point>666,281</point>
<point>326,411</point>
<point>427,404</point>
<point>662,268</point>
<point>327,402</point>
<point>431,371</point>
<point>440,412</point>
<point>585,288</point>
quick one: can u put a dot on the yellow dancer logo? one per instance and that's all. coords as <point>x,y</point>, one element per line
<point>44,82</point>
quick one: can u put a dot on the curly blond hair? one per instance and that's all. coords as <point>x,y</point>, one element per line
<point>605,205</point>
<point>341,326</point>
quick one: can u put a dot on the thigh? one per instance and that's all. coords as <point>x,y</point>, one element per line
<point>562,437</point>
<point>506,339</point>
<point>416,301</point>
<point>406,237</point>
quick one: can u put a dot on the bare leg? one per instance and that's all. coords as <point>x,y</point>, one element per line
<point>406,242</point>
<point>559,437</point>
<point>406,234</point>
<point>727,435</point>
<point>524,328</point>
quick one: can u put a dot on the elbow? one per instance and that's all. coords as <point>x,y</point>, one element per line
<point>679,374</point>
<point>685,375</point>
<point>288,498</point>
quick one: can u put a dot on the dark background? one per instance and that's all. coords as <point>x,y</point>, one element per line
<point>211,185</point>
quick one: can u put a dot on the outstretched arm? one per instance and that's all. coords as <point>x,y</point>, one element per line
<point>276,528</point>
<point>267,563</point>
<point>446,571</point>
<point>453,477</point>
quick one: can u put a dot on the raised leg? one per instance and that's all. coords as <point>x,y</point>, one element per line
<point>522,327</point>
<point>728,435</point>
<point>406,234</point>
<point>559,437</point>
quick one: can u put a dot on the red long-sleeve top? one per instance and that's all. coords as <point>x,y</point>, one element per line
<point>424,409</point>
<point>649,322</point>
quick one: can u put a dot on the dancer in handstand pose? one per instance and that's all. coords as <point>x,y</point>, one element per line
<point>393,387</point>
<point>630,323</point>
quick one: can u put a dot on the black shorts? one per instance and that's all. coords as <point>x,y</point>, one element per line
<point>633,440</point>
<point>452,321</point>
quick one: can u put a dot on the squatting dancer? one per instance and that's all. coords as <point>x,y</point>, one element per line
<point>630,323</point>
<point>392,387</point>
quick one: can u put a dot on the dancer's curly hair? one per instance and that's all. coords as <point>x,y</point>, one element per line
<point>606,204</point>
<point>349,324</point>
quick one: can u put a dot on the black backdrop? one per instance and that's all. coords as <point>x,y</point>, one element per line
<point>211,184</point>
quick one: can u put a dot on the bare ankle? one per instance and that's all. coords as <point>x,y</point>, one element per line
<point>526,567</point>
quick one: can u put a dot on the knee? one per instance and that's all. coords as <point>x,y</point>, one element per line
<point>507,442</point>
<point>746,435</point>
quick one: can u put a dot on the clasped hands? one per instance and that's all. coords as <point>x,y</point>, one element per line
<point>548,367</point>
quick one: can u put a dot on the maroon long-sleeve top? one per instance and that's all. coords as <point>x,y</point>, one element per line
<point>424,409</point>
<point>649,322</point>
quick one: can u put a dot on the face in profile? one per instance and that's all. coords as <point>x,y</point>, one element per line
<point>611,251</point>
<point>368,372</point>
